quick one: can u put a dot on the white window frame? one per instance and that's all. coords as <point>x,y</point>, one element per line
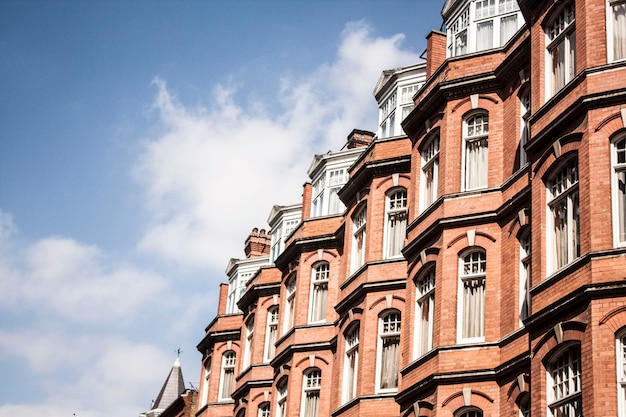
<point>476,151</point>
<point>281,398</point>
<point>524,276</point>
<point>290,304</point>
<point>616,50</point>
<point>325,198</point>
<point>563,243</point>
<point>388,352</point>
<point>271,333</point>
<point>564,383</point>
<point>429,184</point>
<point>229,360</point>
<point>560,35</point>
<point>264,410</point>
<point>425,312</point>
<point>388,116</point>
<point>395,222</point>
<point>472,275</point>
<point>247,353</point>
<point>618,162</point>
<point>359,240</point>
<point>620,355</point>
<point>311,386</point>
<point>205,382</point>
<point>351,363</point>
<point>320,274</point>
<point>524,99</point>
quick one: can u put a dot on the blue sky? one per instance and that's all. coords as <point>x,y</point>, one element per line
<point>140,142</point>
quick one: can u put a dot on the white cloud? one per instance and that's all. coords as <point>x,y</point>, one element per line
<point>213,174</point>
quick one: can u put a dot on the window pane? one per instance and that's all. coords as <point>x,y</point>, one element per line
<point>619,30</point>
<point>484,35</point>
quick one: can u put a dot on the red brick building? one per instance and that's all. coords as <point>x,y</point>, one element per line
<point>468,259</point>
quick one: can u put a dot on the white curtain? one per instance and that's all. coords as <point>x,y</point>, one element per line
<point>227,385</point>
<point>389,365</point>
<point>426,309</point>
<point>621,204</point>
<point>334,203</point>
<point>508,27</point>
<point>476,163</point>
<point>397,233</point>
<point>474,307</point>
<point>312,404</point>
<point>320,295</point>
<point>484,35</point>
<point>558,67</point>
<point>619,31</point>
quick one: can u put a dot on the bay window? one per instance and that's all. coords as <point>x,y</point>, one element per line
<point>621,372</point>
<point>311,393</point>
<point>388,351</point>
<point>228,375</point>
<point>476,138</point>
<point>247,352</point>
<point>619,190</point>
<point>425,312</point>
<point>290,304</point>
<point>563,217</point>
<point>430,173</point>
<point>270,333</point>
<point>396,218</point>
<point>561,48</point>
<point>472,274</point>
<point>359,238</point>
<point>616,26</point>
<point>524,276</point>
<point>319,293</point>
<point>564,383</point>
<point>351,363</point>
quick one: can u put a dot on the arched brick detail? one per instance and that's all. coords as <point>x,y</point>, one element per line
<point>432,253</point>
<point>380,305</point>
<point>313,257</point>
<point>434,130</point>
<point>610,125</point>
<point>614,320</point>
<point>477,399</point>
<point>569,144</point>
<point>515,390</point>
<point>319,362</point>
<point>345,322</point>
<point>404,181</point>
<point>572,332</point>
<point>484,103</point>
<point>481,240</point>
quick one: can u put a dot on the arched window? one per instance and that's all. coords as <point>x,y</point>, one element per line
<point>476,141</point>
<point>270,333</point>
<point>281,398</point>
<point>472,274</point>
<point>319,292</point>
<point>241,413</point>
<point>524,99</point>
<point>264,410</point>
<point>469,412</point>
<point>290,304</point>
<point>228,375</point>
<point>619,189</point>
<point>206,381</point>
<point>311,392</point>
<point>563,383</point>
<point>430,173</point>
<point>620,344</point>
<point>425,312</point>
<point>561,46</point>
<point>359,238</point>
<point>563,231</point>
<point>247,352</point>
<point>395,219</point>
<point>388,351</point>
<point>351,362</point>
<point>524,405</point>
<point>524,275</point>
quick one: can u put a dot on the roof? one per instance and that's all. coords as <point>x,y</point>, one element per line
<point>172,388</point>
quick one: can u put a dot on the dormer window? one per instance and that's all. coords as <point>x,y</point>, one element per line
<point>325,193</point>
<point>482,25</point>
<point>388,117</point>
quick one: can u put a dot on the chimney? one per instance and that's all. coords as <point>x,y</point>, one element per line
<point>358,138</point>
<point>435,51</point>
<point>258,243</point>
<point>306,200</point>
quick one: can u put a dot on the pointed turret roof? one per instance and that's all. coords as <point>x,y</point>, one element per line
<point>173,387</point>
